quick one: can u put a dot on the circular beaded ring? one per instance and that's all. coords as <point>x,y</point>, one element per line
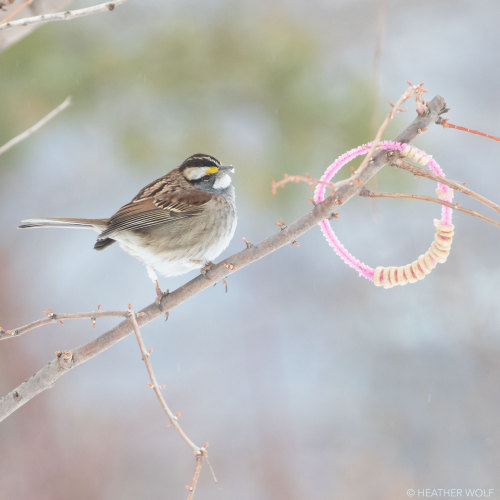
<point>389,276</point>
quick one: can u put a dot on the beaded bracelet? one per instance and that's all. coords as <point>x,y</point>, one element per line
<point>388,276</point>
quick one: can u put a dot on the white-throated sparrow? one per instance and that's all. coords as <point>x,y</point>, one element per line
<point>176,223</point>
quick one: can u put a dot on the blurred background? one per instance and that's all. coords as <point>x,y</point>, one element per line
<point>306,380</point>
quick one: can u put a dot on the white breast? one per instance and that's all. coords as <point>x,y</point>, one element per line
<point>168,264</point>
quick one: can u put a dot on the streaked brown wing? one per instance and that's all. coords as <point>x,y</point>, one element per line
<point>182,201</point>
<point>146,212</point>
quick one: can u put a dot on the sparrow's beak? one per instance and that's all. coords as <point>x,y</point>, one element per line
<point>226,167</point>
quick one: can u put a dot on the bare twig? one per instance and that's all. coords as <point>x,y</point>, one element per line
<point>381,18</point>
<point>412,90</point>
<point>156,387</point>
<point>398,161</point>
<point>454,206</point>
<point>52,317</point>
<point>15,11</point>
<point>62,16</point>
<point>36,126</point>
<point>446,124</point>
<point>299,178</point>
<point>46,376</point>
<point>200,452</point>
<point>196,476</point>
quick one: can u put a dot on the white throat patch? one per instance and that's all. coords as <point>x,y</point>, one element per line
<point>222,182</point>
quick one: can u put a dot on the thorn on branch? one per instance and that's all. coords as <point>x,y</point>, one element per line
<point>7,332</point>
<point>247,243</point>
<point>50,313</point>
<point>64,357</point>
<point>281,224</point>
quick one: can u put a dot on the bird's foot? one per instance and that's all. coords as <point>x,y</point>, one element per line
<point>208,266</point>
<point>160,295</point>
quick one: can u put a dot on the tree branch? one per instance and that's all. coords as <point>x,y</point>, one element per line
<point>455,206</point>
<point>62,16</point>
<point>15,11</point>
<point>400,162</point>
<point>45,377</point>
<point>53,317</point>
<point>16,140</point>
<point>197,471</point>
<point>412,91</point>
<point>157,388</point>
<point>200,452</point>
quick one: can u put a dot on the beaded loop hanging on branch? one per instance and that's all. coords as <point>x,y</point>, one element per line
<point>389,276</point>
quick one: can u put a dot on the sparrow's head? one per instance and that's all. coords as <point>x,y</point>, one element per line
<point>206,173</point>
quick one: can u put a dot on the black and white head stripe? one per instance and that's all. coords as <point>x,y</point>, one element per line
<point>200,160</point>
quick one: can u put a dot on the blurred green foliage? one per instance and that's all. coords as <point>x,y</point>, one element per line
<point>253,92</point>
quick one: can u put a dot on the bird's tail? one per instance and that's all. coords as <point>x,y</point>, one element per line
<point>96,224</point>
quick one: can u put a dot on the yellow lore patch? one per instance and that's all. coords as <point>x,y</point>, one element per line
<point>211,170</point>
